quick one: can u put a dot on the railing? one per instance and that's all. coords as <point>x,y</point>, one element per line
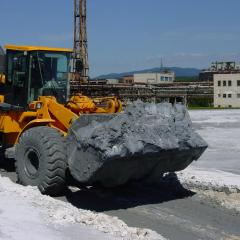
<point>144,92</point>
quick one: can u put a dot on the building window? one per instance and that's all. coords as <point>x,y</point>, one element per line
<point>238,83</point>
<point>162,78</point>
<point>166,78</point>
<point>219,95</point>
<point>229,83</point>
<point>219,83</point>
<point>229,95</point>
<point>224,83</point>
<point>238,95</point>
<point>224,95</point>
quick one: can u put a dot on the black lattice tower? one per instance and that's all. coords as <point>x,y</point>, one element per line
<point>80,39</point>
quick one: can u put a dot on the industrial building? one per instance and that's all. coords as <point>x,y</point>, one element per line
<point>154,78</point>
<point>127,80</point>
<point>207,75</point>
<point>227,90</point>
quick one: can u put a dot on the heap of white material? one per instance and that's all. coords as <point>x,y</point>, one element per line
<point>26,214</point>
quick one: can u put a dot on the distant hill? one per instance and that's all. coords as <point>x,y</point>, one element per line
<point>180,72</point>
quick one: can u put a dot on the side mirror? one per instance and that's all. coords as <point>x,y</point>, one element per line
<point>79,66</point>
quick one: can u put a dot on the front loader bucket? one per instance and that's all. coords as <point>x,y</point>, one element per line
<point>143,142</point>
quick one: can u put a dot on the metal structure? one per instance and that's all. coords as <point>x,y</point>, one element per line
<point>80,41</point>
<point>175,92</point>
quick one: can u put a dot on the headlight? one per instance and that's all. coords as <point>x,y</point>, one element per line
<point>38,105</point>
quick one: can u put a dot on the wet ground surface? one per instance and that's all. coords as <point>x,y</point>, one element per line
<point>170,209</point>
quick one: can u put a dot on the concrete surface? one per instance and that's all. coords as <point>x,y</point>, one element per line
<point>221,130</point>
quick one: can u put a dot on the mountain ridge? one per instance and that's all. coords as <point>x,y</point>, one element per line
<point>180,72</point>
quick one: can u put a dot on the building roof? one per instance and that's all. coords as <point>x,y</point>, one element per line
<point>36,48</point>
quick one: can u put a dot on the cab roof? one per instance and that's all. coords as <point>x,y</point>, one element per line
<point>36,48</point>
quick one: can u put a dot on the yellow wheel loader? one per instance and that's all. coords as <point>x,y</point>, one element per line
<point>36,114</point>
<point>46,132</point>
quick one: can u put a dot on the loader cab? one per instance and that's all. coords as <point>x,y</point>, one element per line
<point>36,71</point>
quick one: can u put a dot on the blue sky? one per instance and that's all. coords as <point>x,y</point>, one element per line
<point>131,34</point>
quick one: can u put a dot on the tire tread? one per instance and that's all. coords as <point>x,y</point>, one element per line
<point>53,142</point>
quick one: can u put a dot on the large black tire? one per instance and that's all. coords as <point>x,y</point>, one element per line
<point>41,160</point>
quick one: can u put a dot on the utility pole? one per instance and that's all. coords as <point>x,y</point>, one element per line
<point>80,41</point>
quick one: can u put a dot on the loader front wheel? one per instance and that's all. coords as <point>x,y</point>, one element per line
<point>41,160</point>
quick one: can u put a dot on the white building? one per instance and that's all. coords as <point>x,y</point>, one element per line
<point>227,90</point>
<point>112,81</point>
<point>154,78</point>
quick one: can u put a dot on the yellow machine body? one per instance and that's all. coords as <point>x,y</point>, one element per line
<point>36,48</point>
<point>45,110</point>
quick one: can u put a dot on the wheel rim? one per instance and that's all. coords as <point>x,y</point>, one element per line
<point>32,162</point>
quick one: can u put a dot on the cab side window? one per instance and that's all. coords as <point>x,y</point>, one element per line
<point>17,68</point>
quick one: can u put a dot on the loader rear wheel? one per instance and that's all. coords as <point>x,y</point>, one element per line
<point>41,160</point>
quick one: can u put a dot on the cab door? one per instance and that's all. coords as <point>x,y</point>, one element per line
<point>16,78</point>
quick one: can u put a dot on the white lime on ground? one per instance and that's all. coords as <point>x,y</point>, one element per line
<point>26,214</point>
<point>221,130</point>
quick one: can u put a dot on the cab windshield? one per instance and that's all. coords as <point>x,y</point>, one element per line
<point>49,75</point>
